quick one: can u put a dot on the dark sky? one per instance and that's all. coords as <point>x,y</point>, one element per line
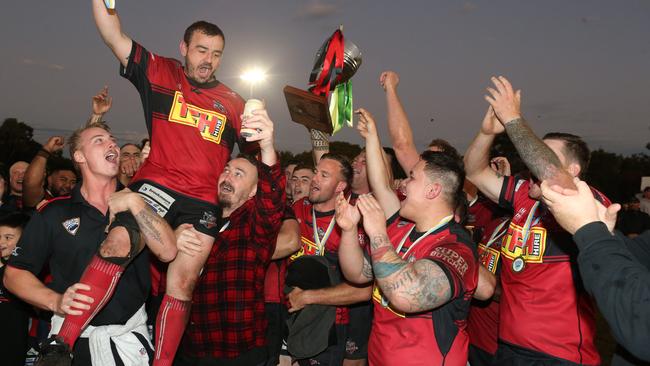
<point>583,66</point>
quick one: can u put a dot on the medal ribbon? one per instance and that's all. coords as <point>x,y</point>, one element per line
<point>497,233</point>
<point>530,222</point>
<point>440,224</point>
<point>317,240</point>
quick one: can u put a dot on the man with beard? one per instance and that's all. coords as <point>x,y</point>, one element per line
<point>227,323</point>
<point>60,181</point>
<point>321,236</point>
<point>545,315</point>
<point>190,116</point>
<point>66,234</point>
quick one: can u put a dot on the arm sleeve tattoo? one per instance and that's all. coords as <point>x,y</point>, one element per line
<point>411,287</point>
<point>539,158</point>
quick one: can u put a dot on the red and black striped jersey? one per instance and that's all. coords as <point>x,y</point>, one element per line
<point>434,337</point>
<point>543,305</point>
<point>193,127</point>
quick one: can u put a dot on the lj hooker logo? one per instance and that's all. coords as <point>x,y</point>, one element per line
<point>513,245</point>
<point>209,123</point>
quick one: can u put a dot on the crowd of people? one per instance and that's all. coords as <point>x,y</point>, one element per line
<point>133,256</point>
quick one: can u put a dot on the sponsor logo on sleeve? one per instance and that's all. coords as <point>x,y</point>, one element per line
<point>451,258</point>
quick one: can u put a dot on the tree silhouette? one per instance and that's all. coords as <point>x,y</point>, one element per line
<point>16,142</point>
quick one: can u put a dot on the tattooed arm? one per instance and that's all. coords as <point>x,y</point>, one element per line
<point>157,233</point>
<point>539,158</point>
<point>409,287</point>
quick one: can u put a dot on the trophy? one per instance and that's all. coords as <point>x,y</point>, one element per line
<point>327,106</point>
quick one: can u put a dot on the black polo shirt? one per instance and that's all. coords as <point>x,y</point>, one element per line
<point>66,234</point>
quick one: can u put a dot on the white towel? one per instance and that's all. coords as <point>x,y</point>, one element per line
<point>129,347</point>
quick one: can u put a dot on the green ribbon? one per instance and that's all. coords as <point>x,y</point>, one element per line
<point>341,106</point>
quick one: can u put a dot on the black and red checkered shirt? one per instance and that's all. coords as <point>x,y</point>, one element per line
<point>228,305</point>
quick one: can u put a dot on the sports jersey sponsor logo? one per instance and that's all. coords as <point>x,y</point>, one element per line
<point>488,257</point>
<point>156,198</point>
<point>308,248</point>
<point>210,124</point>
<point>533,251</point>
<point>522,211</point>
<point>379,298</point>
<point>351,347</point>
<point>209,220</point>
<point>452,258</point>
<point>72,225</point>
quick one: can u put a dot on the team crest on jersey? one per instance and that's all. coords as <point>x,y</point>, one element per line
<point>218,106</point>
<point>210,124</point>
<point>209,220</point>
<point>72,225</point>
<point>532,251</point>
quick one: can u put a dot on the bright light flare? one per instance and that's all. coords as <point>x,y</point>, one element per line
<point>254,75</point>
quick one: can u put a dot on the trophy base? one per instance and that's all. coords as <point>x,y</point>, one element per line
<point>309,110</point>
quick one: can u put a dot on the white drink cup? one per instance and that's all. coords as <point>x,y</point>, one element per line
<point>249,107</point>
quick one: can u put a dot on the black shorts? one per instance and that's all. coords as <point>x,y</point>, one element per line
<point>479,357</point>
<point>356,343</point>
<point>511,355</point>
<point>179,209</point>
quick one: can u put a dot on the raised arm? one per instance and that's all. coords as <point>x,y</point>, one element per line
<point>477,163</point>
<point>409,286</point>
<point>102,103</point>
<point>355,266</point>
<point>378,177</point>
<point>401,135</point>
<point>110,29</point>
<point>539,158</point>
<point>320,144</point>
<point>33,191</point>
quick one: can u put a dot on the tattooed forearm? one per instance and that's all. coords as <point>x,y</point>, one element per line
<point>149,223</point>
<point>384,269</point>
<point>539,158</point>
<point>379,241</point>
<point>367,269</point>
<point>419,286</point>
